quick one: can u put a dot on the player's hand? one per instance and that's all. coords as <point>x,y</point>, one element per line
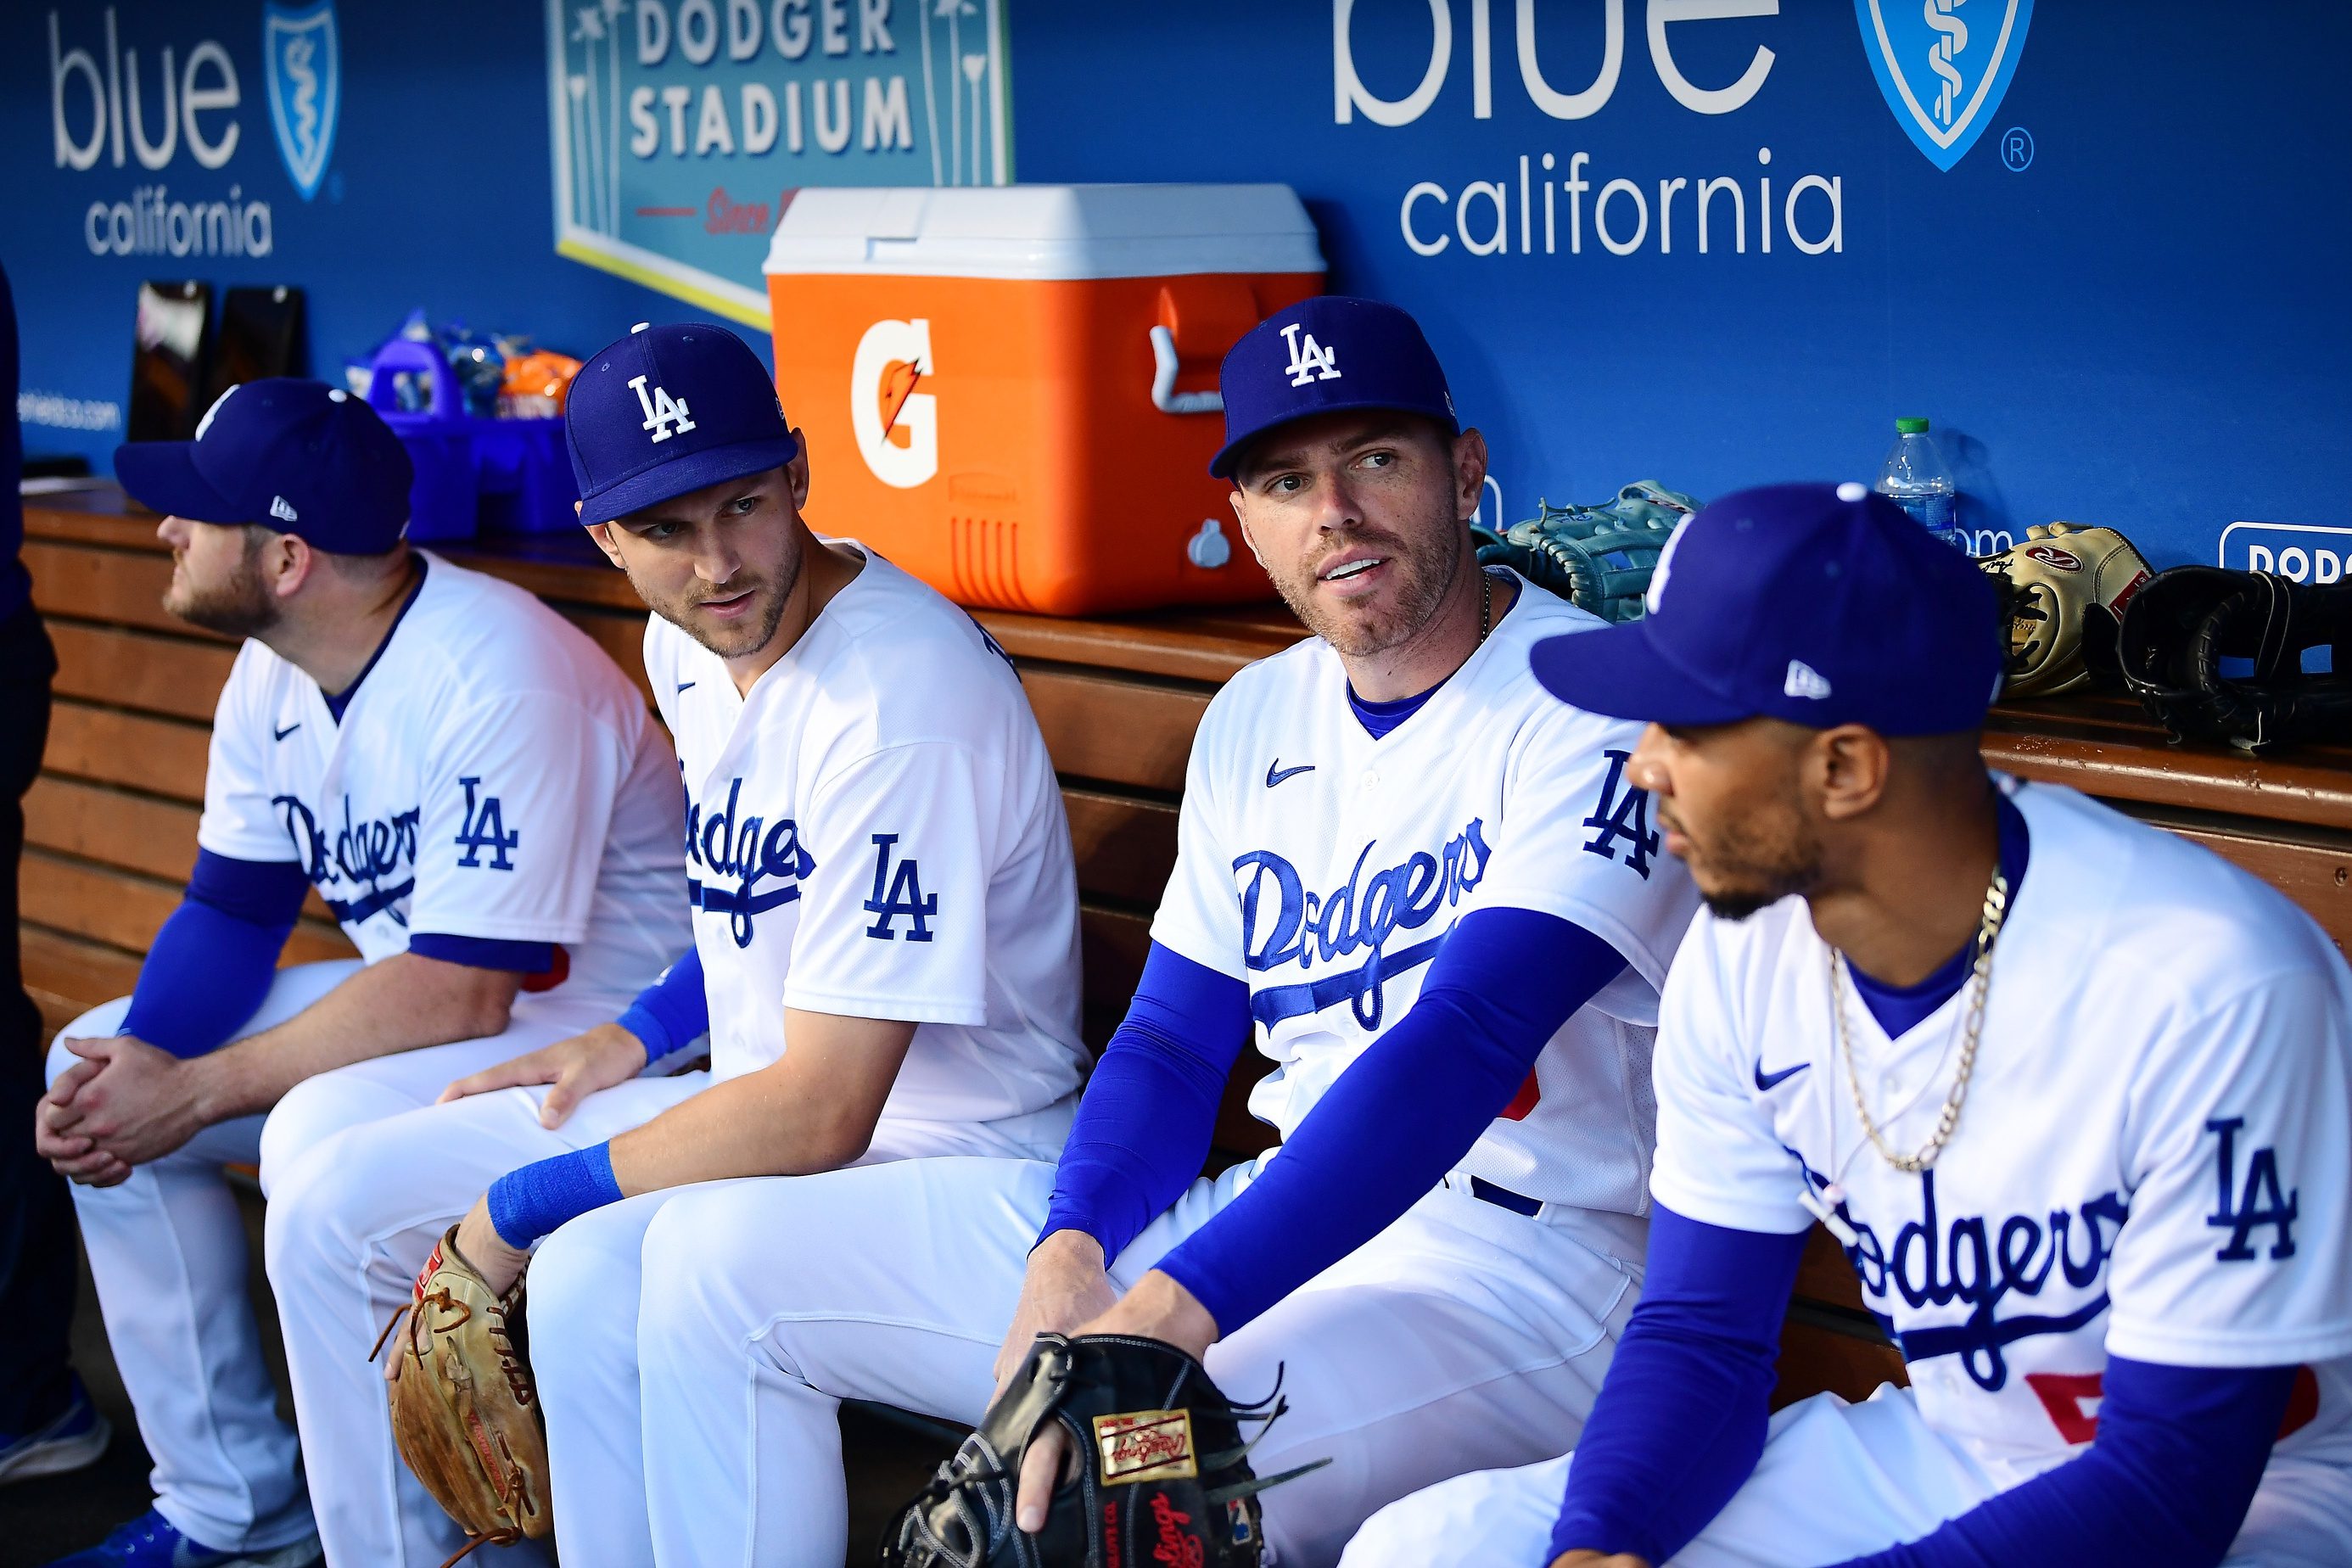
<point>1157,1308</point>
<point>498,1265</point>
<point>574,1069</point>
<point>1067,1284</point>
<point>57,1137</point>
<point>1598,1560</point>
<point>138,1106</point>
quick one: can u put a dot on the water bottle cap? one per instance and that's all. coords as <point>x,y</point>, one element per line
<point>1913,426</point>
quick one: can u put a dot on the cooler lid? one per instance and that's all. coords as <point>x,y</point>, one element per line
<point>1045,231</point>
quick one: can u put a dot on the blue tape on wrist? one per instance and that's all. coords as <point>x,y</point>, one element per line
<point>528,1204</point>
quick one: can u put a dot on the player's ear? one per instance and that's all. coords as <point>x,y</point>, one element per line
<point>1469,473</point>
<point>797,472</point>
<point>1241,518</point>
<point>287,561</point>
<point>1851,767</point>
<point>602,532</point>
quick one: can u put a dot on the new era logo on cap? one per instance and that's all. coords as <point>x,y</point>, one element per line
<point>1804,680</point>
<point>1290,366</point>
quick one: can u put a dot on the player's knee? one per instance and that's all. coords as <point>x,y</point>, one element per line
<point>1409,1532</point>
<point>99,1023</point>
<point>324,1197</point>
<point>679,1248</point>
<point>309,1116</point>
<point>584,1283</point>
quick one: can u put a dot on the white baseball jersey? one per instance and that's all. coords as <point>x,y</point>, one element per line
<point>876,831</point>
<point>1325,869</point>
<point>494,776</point>
<point>2154,1160</point>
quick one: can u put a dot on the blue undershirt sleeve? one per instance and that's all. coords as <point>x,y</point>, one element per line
<point>1402,1115</point>
<point>213,961</point>
<point>1680,1419</point>
<point>485,952</point>
<point>673,1012</point>
<point>2164,1484</point>
<point>1143,1128</point>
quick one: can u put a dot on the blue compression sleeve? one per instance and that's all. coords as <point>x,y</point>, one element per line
<point>1150,1109</point>
<point>213,961</point>
<point>485,952</point>
<point>528,1203</point>
<point>1402,1115</point>
<point>673,1012</point>
<point>2164,1484</point>
<point>1680,1419</point>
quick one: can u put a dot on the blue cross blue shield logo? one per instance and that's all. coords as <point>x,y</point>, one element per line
<point>304,70</point>
<point>1944,66</point>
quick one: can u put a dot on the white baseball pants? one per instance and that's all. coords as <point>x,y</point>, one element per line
<point>363,1182</point>
<point>167,1250</point>
<point>1462,1337</point>
<point>1835,1481</point>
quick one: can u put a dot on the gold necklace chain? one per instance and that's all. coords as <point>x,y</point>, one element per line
<point>1486,603</point>
<point>1996,910</point>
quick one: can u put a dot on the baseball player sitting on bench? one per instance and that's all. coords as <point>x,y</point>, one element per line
<point>885,949</point>
<point>478,794</point>
<point>1428,890</point>
<point>2072,1091</point>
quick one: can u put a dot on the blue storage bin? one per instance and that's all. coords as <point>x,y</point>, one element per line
<point>474,476</point>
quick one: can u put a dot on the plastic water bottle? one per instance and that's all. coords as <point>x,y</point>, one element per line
<point>1915,478</point>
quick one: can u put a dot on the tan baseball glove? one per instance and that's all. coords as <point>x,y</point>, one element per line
<point>2064,590</point>
<point>464,1411</point>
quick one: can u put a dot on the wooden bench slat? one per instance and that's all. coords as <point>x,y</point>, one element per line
<point>136,833</point>
<point>161,756</point>
<point>1190,645</point>
<point>1124,847</point>
<point>178,675</point>
<point>2315,876</point>
<point>1127,733</point>
<point>1824,1276</point>
<point>126,910</point>
<point>124,587</point>
<point>1818,1360</point>
<point>66,975</point>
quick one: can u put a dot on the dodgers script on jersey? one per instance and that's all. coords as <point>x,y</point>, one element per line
<point>494,775</point>
<point>2155,1158</point>
<point>876,831</point>
<point>1325,869</point>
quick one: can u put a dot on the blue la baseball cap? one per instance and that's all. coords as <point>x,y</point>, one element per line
<point>1323,355</point>
<point>297,456</point>
<point>1821,604</point>
<point>668,410</point>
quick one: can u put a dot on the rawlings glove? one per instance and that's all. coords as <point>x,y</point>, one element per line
<point>1599,558</point>
<point>464,1411</point>
<point>1164,1475</point>
<point>2063,593</point>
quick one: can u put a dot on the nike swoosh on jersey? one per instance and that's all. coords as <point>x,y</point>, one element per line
<point>686,685</point>
<point>1765,1083</point>
<point>289,729</point>
<point>1275,772</point>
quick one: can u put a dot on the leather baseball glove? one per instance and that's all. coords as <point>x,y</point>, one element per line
<point>1599,558</point>
<point>464,1411</point>
<point>1164,1476</point>
<point>2064,590</point>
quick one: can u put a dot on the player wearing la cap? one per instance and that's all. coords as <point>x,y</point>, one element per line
<point>1426,890</point>
<point>885,945</point>
<point>478,796</point>
<point>2076,1094</point>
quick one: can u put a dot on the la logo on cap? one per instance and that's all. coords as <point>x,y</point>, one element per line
<point>665,416</point>
<point>1309,359</point>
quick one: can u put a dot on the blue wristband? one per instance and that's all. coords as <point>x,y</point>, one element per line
<point>528,1204</point>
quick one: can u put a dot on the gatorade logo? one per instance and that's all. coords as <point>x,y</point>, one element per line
<point>895,425</point>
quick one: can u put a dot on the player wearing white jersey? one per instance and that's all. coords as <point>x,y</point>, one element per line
<point>2074,1094</point>
<point>884,954</point>
<point>1451,965</point>
<point>478,796</point>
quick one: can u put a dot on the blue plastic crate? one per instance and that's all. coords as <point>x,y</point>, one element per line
<point>474,476</point>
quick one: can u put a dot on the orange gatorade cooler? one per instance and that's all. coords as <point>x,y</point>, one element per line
<point>1011,391</point>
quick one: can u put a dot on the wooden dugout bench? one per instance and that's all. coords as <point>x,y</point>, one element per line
<point>111,827</point>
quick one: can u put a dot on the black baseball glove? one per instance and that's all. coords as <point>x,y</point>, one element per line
<point>1164,1474</point>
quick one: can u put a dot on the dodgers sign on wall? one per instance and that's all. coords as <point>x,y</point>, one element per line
<point>303,67</point>
<point>1943,66</point>
<point>681,129</point>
